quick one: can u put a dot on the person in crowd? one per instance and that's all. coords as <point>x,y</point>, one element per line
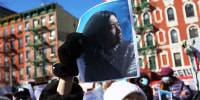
<point>172,84</point>
<point>106,55</point>
<point>98,92</point>
<point>65,88</point>
<point>121,90</point>
<point>143,82</point>
<point>22,94</point>
<point>97,85</point>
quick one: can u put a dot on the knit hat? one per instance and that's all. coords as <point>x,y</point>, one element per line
<point>119,90</point>
<point>22,91</point>
<point>166,71</point>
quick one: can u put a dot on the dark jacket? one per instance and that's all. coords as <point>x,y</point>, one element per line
<point>49,92</point>
<point>175,88</point>
<point>97,64</point>
<point>147,89</point>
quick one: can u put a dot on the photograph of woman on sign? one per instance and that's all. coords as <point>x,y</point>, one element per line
<point>107,55</point>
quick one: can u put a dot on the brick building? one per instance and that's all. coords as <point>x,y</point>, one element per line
<point>37,35</point>
<point>5,12</point>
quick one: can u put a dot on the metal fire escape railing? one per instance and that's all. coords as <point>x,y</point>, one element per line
<point>141,30</point>
<point>37,46</point>
<point>8,51</point>
<point>40,43</point>
<point>8,39</point>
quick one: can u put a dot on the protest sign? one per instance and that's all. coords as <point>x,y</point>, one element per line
<point>110,46</point>
<point>38,90</point>
<point>193,50</point>
<point>165,95</point>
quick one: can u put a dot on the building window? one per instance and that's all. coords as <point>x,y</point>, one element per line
<point>44,53</point>
<point>193,32</point>
<point>35,38</point>
<point>189,10</point>
<point>6,61</point>
<point>52,35</point>
<point>138,42</point>
<point>19,28</point>
<point>20,58</point>
<point>43,36</point>
<point>36,55</point>
<point>149,41</point>
<point>0,76</point>
<point>27,40</point>
<point>134,20</point>
<point>43,21</point>
<point>13,74</point>
<point>174,36</point>
<point>13,44</point>
<point>13,59</point>
<point>146,18</point>
<point>53,50</point>
<point>158,15</point>
<point>12,30</point>
<point>143,1</point>
<point>5,46</point>
<point>37,70</point>
<point>170,14</point>
<point>35,23</point>
<point>27,55</point>
<point>44,69</point>
<point>28,71</point>
<point>20,43</point>
<point>5,32</point>
<point>21,74</point>
<point>152,63</point>
<point>51,18</point>
<point>177,59</point>
<point>140,61</point>
<point>26,26</point>
<point>6,76</point>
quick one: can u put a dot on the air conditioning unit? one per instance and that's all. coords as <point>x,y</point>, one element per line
<point>51,38</point>
<point>52,54</point>
<point>27,43</point>
<point>27,59</point>
<point>50,22</point>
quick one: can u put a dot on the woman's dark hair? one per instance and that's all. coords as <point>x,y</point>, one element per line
<point>95,26</point>
<point>164,96</point>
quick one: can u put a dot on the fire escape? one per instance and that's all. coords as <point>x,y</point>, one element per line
<point>143,12</point>
<point>39,46</point>
<point>9,53</point>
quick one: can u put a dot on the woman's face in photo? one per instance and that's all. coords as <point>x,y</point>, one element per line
<point>113,34</point>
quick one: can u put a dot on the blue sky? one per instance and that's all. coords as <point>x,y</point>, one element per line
<point>76,7</point>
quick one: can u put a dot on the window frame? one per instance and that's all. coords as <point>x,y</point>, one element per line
<point>170,17</point>
<point>20,58</point>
